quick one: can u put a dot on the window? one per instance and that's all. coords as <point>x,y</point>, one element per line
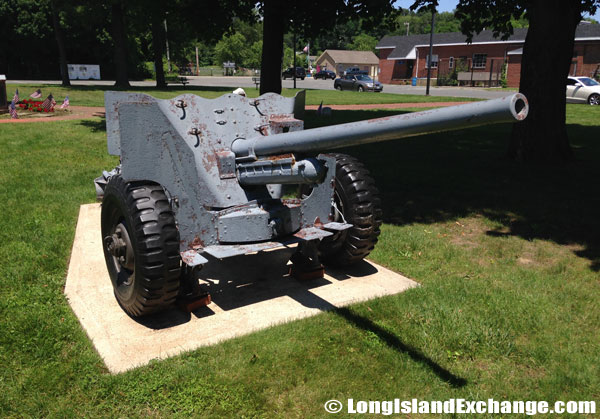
<point>479,60</point>
<point>451,62</point>
<point>434,61</point>
<point>588,82</point>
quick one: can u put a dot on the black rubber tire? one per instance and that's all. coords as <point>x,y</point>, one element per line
<point>594,99</point>
<point>144,210</point>
<point>360,89</point>
<point>338,87</point>
<point>358,200</point>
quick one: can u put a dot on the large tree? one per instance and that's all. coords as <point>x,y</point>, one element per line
<point>547,55</point>
<point>309,18</point>
<point>119,37</point>
<point>60,41</point>
<point>157,17</point>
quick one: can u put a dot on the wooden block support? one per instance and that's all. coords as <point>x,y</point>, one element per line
<point>189,304</point>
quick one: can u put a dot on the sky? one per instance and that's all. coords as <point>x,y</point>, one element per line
<point>449,5</point>
<point>445,5</point>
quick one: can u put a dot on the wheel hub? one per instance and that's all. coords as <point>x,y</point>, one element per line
<point>119,246</point>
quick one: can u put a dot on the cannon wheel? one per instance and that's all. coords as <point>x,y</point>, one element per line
<point>141,245</point>
<point>358,203</point>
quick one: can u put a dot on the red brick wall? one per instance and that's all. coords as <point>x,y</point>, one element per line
<point>494,52</point>
<point>386,67</point>
<point>400,69</point>
<point>513,72</point>
<point>587,58</point>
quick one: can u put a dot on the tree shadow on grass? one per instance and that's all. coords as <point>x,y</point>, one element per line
<point>395,343</point>
<point>445,176</point>
<point>96,125</point>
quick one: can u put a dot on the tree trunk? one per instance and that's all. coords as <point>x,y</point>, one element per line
<point>60,42</point>
<point>272,52</point>
<point>542,137</point>
<point>120,45</point>
<point>158,42</point>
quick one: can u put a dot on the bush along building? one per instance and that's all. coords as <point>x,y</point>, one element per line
<point>485,61</point>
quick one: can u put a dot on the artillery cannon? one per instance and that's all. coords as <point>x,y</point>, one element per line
<point>202,180</point>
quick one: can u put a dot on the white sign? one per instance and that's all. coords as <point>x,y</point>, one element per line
<point>84,71</point>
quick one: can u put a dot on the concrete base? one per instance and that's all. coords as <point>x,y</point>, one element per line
<point>246,297</point>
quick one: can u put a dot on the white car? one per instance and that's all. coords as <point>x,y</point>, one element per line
<point>583,90</point>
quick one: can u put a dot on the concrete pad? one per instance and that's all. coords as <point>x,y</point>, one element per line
<point>249,293</point>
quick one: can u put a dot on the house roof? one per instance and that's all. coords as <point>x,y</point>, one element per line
<point>404,46</point>
<point>351,57</point>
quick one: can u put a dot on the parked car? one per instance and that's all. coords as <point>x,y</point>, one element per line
<point>354,70</point>
<point>358,82</point>
<point>583,90</point>
<point>289,73</point>
<point>325,74</point>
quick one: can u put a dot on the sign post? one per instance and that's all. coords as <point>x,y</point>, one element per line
<point>228,65</point>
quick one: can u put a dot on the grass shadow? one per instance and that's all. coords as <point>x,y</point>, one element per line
<point>309,299</point>
<point>394,342</point>
<point>95,125</point>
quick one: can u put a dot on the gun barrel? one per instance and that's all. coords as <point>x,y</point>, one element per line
<point>507,109</point>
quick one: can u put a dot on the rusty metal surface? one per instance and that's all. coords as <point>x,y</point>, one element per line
<point>226,162</point>
<point>333,226</point>
<point>246,224</point>
<point>317,207</point>
<point>112,100</point>
<point>312,233</point>
<point>226,251</point>
<point>184,145</point>
<point>193,258</point>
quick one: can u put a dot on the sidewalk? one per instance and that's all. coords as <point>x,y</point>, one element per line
<point>388,106</point>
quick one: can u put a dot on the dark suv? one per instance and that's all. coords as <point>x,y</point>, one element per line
<point>289,73</point>
<point>354,70</point>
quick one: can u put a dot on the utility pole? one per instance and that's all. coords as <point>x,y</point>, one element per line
<point>430,58</point>
<point>294,53</point>
<point>197,62</point>
<point>407,24</point>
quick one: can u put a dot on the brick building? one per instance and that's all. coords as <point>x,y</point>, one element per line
<point>403,57</point>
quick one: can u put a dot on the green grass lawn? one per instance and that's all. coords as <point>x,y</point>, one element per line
<point>508,257</point>
<point>94,95</point>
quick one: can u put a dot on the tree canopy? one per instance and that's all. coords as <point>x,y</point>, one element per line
<point>547,56</point>
<point>309,19</point>
<point>28,44</point>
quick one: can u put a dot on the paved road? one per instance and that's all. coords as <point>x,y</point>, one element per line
<point>308,83</point>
